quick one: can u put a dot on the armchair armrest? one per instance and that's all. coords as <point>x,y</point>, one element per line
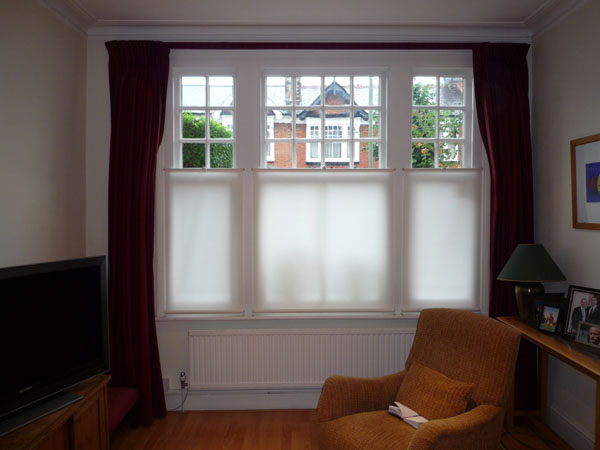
<point>342,396</point>
<point>480,428</point>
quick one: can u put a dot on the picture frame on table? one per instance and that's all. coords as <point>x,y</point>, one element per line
<point>585,182</point>
<point>588,334</point>
<point>547,312</point>
<point>578,295</point>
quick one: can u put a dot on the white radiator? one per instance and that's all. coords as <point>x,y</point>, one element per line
<point>278,359</point>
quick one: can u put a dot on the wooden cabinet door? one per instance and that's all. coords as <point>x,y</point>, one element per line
<point>89,424</point>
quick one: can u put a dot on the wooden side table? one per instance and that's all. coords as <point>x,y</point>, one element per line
<point>549,345</point>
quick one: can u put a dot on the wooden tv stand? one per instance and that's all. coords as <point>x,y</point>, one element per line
<point>82,425</point>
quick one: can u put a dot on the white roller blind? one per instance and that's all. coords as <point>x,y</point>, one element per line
<point>442,239</point>
<point>203,241</point>
<point>323,240</point>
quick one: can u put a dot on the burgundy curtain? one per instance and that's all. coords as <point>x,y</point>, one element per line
<point>501,93</point>
<point>138,74</point>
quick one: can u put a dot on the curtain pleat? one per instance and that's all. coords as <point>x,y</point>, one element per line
<point>138,75</point>
<point>501,81</point>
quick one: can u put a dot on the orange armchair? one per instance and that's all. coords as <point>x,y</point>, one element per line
<point>463,346</point>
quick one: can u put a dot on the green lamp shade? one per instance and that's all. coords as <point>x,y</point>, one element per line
<point>531,263</point>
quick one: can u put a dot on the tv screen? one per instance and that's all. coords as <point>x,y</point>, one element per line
<point>53,328</point>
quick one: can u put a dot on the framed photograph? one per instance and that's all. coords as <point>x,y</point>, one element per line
<point>550,317</point>
<point>585,182</point>
<point>588,334</point>
<point>584,306</point>
<point>547,312</point>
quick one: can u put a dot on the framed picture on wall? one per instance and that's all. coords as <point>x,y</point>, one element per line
<point>585,182</point>
<point>584,306</point>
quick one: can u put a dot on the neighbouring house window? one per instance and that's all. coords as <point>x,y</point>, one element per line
<point>271,147</point>
<point>441,121</point>
<point>347,108</point>
<point>205,121</point>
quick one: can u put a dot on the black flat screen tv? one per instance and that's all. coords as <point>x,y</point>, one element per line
<point>53,330</point>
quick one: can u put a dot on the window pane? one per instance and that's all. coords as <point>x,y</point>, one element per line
<point>308,91</point>
<point>312,250</point>
<point>337,90</point>
<point>220,91</point>
<point>305,121</point>
<point>333,131</point>
<point>442,237</point>
<point>452,91</point>
<point>424,91</point>
<point>423,155</point>
<point>193,91</point>
<point>334,150</point>
<point>282,156</point>
<point>308,155</point>
<point>366,123</point>
<point>203,240</point>
<point>424,123</point>
<point>451,154</point>
<point>313,152</point>
<point>279,91</point>
<point>279,124</point>
<point>193,124</point>
<point>338,119</point>
<point>270,152</point>
<point>451,124</point>
<point>221,156</point>
<point>366,91</point>
<point>194,156</point>
<point>221,124</point>
<point>368,155</point>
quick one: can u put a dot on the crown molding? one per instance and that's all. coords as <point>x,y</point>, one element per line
<point>71,13</point>
<point>551,13</point>
<point>313,33</point>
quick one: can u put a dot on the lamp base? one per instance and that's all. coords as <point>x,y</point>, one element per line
<point>522,291</point>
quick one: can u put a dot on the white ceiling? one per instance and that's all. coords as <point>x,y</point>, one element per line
<point>522,14</point>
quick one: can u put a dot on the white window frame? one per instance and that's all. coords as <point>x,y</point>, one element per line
<point>468,117</point>
<point>350,139</point>
<point>248,69</point>
<point>179,108</point>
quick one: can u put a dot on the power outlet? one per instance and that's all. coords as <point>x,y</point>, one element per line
<point>166,384</point>
<point>183,380</point>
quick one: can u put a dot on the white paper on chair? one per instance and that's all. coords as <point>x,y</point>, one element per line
<point>409,416</point>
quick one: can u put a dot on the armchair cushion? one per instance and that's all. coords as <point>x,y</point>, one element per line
<point>432,394</point>
<point>368,430</point>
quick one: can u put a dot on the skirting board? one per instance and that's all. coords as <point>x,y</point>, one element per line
<point>570,430</point>
<point>244,400</point>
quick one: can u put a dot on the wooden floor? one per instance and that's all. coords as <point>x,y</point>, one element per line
<point>526,437</point>
<point>222,430</point>
<point>258,430</point>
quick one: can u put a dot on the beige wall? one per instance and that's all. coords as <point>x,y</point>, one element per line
<point>42,126</point>
<point>97,148</point>
<point>566,106</point>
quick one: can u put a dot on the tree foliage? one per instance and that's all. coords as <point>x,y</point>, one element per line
<point>194,155</point>
<point>424,123</point>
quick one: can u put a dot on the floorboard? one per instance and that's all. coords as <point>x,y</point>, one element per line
<point>223,430</point>
<point>258,430</point>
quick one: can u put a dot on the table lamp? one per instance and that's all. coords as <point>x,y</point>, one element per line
<point>528,267</point>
